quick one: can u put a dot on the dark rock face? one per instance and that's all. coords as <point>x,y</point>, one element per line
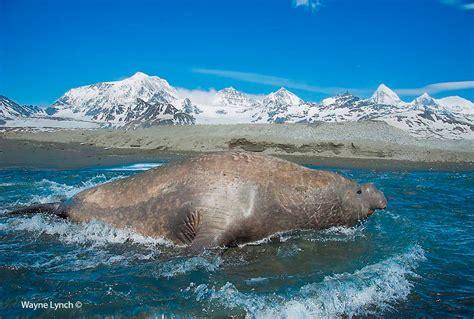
<point>145,114</point>
<point>10,110</point>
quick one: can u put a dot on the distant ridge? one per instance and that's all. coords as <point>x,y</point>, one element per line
<point>142,101</point>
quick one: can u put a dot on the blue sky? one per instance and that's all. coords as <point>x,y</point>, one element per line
<point>315,48</point>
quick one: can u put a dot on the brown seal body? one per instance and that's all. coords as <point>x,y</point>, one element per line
<point>223,199</point>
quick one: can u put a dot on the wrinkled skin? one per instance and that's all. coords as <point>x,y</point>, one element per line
<point>223,199</point>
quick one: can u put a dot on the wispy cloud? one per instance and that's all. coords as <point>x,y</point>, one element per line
<point>275,81</point>
<point>314,5</point>
<point>460,4</point>
<point>438,87</point>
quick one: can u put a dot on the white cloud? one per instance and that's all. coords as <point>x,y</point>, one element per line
<point>460,4</point>
<point>438,87</point>
<point>197,96</point>
<point>275,81</point>
<point>206,97</point>
<point>312,4</point>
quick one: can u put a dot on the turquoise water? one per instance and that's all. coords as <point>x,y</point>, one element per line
<point>414,259</point>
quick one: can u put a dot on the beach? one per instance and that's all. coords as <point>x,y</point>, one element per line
<point>368,145</point>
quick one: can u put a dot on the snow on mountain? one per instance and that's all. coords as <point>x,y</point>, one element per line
<point>280,107</point>
<point>432,123</point>
<point>123,103</point>
<point>144,114</point>
<point>227,106</point>
<point>347,107</point>
<point>426,118</point>
<point>423,102</point>
<point>384,95</point>
<point>14,115</point>
<point>93,99</point>
<point>10,110</point>
<point>231,97</point>
<point>457,104</point>
<point>282,97</point>
<point>423,117</point>
<point>143,101</point>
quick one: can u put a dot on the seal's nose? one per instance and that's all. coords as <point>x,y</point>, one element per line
<point>382,204</point>
<point>375,197</point>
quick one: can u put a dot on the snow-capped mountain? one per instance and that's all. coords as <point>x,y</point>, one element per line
<point>227,106</point>
<point>423,117</point>
<point>457,104</point>
<point>427,117</point>
<point>423,102</point>
<point>231,97</point>
<point>280,107</point>
<point>143,101</point>
<point>144,114</point>
<point>13,114</point>
<point>10,110</point>
<point>385,96</point>
<point>347,107</point>
<point>114,102</point>
<point>105,95</point>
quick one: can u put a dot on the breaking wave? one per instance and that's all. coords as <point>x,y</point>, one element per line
<point>369,291</point>
<point>93,233</point>
<point>89,245</point>
<point>135,167</point>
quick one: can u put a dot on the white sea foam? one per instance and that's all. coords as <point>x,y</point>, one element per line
<point>79,259</point>
<point>368,291</point>
<point>7,184</point>
<point>256,280</point>
<point>134,167</point>
<point>92,244</point>
<point>93,233</point>
<point>181,266</point>
<point>331,234</point>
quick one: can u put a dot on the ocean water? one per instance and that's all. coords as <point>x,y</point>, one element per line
<point>415,259</point>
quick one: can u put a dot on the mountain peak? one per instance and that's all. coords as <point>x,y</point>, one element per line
<point>424,97</point>
<point>230,90</point>
<point>283,90</point>
<point>231,96</point>
<point>139,75</point>
<point>284,96</point>
<point>385,95</point>
<point>456,104</point>
<point>9,109</point>
<point>425,101</point>
<point>107,96</point>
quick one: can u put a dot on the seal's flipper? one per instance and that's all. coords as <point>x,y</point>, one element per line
<point>201,229</point>
<point>55,209</point>
<point>193,231</point>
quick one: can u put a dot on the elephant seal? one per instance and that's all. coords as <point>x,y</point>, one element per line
<point>222,199</point>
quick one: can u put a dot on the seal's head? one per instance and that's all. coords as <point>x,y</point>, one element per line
<point>360,201</point>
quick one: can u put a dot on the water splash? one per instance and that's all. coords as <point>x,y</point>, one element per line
<point>368,291</point>
<point>93,233</point>
<point>134,167</point>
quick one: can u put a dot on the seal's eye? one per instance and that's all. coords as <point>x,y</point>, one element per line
<point>359,191</point>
